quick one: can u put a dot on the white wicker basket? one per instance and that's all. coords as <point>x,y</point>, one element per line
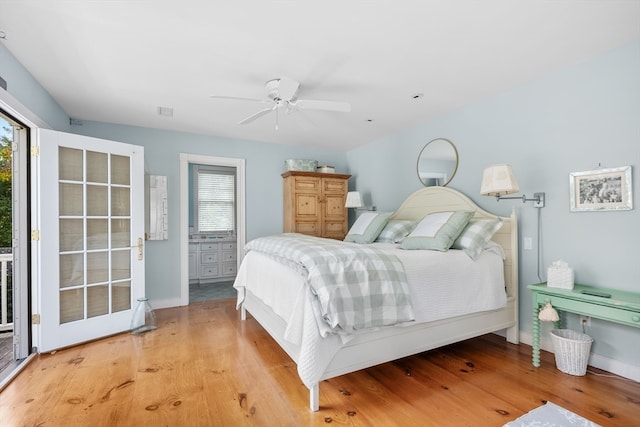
<point>571,350</point>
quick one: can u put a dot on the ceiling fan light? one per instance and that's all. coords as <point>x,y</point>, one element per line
<point>282,93</point>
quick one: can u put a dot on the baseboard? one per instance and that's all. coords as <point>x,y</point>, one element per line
<point>597,361</point>
<point>166,303</point>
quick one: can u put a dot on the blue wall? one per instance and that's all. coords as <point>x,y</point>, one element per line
<point>22,85</point>
<point>264,164</point>
<point>565,122</point>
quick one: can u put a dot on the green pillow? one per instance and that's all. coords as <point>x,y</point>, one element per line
<point>396,230</point>
<point>476,235</point>
<point>367,227</point>
<point>437,231</point>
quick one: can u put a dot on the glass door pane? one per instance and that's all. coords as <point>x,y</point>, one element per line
<point>95,233</point>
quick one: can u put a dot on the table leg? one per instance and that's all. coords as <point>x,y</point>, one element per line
<point>536,334</point>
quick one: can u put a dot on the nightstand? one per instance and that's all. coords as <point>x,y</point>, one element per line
<point>622,307</point>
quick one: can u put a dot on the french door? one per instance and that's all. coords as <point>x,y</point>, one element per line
<point>89,240</point>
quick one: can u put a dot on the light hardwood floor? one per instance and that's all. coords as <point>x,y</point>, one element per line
<point>203,366</point>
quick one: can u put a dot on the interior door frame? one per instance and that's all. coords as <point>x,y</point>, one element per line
<point>24,271</point>
<point>185,160</point>
<point>21,244</point>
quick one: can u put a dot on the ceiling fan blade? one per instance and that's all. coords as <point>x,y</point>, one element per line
<point>311,104</point>
<point>258,115</point>
<point>237,98</point>
<point>287,88</point>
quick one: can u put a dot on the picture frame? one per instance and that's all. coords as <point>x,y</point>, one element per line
<point>606,189</point>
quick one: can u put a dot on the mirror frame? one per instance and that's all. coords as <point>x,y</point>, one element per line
<point>455,169</point>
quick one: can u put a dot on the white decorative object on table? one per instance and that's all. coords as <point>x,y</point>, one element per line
<point>560,275</point>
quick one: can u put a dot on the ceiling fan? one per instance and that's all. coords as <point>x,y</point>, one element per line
<point>283,93</point>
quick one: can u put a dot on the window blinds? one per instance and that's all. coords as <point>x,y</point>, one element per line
<point>215,200</point>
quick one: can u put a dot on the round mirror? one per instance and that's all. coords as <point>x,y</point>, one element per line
<point>437,162</point>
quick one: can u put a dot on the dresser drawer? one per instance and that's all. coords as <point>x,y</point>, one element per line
<point>309,184</point>
<point>334,228</point>
<point>620,315</point>
<point>335,186</point>
<point>208,247</point>
<point>228,246</point>
<point>209,271</point>
<point>309,228</point>
<point>209,257</point>
<point>228,256</point>
<point>229,269</point>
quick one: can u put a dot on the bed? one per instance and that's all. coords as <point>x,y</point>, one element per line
<point>274,294</point>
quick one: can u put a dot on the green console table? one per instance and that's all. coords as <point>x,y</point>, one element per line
<point>621,307</point>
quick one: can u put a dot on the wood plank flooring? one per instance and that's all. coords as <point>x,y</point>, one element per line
<point>6,349</point>
<point>203,366</point>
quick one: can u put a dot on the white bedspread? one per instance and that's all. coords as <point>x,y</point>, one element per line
<point>442,285</point>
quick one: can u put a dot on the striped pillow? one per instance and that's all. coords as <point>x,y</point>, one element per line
<point>476,235</point>
<point>395,231</point>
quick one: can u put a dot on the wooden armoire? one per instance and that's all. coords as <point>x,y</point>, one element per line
<point>314,204</point>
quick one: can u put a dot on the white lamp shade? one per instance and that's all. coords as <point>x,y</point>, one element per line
<point>498,180</point>
<point>353,200</point>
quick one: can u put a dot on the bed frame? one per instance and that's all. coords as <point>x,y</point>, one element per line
<point>373,348</point>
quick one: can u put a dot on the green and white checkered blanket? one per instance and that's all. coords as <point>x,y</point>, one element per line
<point>357,286</point>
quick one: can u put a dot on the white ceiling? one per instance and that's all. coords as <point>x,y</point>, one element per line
<point>118,61</point>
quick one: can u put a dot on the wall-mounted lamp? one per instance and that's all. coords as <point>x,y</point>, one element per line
<point>498,180</point>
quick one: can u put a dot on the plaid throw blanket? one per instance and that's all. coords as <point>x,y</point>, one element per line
<point>356,286</point>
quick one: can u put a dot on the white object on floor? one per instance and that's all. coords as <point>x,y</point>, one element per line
<point>551,415</point>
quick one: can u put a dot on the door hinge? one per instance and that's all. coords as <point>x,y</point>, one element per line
<point>35,319</point>
<point>35,151</point>
<point>35,234</point>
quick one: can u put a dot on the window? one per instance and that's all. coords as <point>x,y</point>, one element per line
<point>214,189</point>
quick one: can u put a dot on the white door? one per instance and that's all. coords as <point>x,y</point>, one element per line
<point>90,247</point>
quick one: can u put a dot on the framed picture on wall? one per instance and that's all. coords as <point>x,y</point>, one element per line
<point>601,190</point>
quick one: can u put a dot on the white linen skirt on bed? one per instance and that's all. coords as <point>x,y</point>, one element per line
<point>442,285</point>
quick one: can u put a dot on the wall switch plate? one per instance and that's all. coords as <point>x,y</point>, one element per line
<point>527,243</point>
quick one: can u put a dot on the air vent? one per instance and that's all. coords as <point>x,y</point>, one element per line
<point>165,111</point>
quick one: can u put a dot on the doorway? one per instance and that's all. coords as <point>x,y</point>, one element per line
<point>189,248</point>
<point>15,338</point>
<point>212,232</point>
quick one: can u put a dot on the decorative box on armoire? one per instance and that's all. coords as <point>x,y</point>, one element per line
<point>314,204</point>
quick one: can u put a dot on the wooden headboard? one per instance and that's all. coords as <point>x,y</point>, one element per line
<point>439,199</point>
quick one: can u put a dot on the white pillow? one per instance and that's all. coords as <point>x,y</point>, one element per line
<point>437,231</point>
